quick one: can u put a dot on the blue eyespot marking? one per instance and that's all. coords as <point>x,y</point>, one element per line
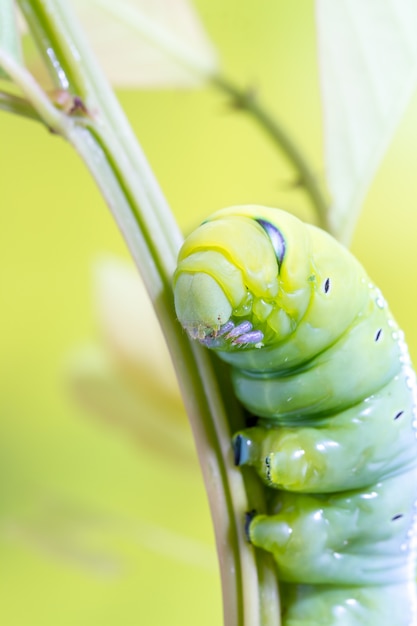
<point>276,237</point>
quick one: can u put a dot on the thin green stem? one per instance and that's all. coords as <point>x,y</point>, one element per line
<point>19,106</point>
<point>205,406</point>
<point>106,143</point>
<point>55,50</point>
<point>37,98</point>
<point>248,102</point>
<point>209,419</point>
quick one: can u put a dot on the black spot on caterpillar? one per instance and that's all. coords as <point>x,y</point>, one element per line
<point>317,356</point>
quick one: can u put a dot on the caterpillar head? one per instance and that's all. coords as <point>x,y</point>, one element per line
<point>229,288</point>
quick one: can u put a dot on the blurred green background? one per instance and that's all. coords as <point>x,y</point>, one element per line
<point>96,527</point>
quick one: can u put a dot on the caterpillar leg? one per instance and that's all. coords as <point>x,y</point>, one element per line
<point>324,605</point>
<point>352,449</point>
<point>350,538</point>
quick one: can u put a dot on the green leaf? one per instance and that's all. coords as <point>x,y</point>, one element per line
<point>142,43</point>
<point>368,68</point>
<point>9,34</point>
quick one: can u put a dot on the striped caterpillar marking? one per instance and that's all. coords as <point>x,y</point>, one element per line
<point>317,357</point>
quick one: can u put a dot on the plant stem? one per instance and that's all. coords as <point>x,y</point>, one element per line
<point>36,97</point>
<point>17,105</point>
<point>248,102</point>
<point>202,396</point>
<point>106,143</point>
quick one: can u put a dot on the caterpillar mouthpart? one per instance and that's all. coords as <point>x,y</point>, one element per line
<point>205,312</point>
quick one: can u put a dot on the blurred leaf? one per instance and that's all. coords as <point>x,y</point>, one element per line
<point>368,67</point>
<point>148,43</point>
<point>92,541</point>
<point>69,544</point>
<point>129,326</point>
<point>128,381</point>
<point>9,34</point>
<point>133,405</point>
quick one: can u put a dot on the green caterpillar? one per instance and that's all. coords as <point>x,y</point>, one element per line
<point>317,357</point>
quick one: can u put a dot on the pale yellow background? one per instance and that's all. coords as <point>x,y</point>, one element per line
<point>75,495</point>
